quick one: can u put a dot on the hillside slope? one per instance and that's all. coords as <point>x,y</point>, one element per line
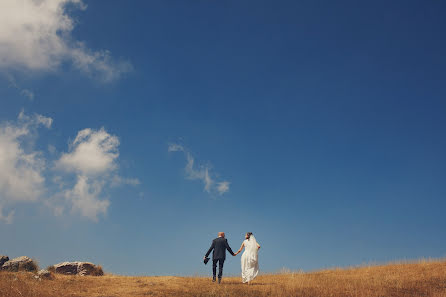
<point>425,278</point>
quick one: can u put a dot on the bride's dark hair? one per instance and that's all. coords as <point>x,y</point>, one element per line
<point>249,234</point>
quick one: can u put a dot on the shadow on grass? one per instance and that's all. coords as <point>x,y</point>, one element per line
<point>244,285</point>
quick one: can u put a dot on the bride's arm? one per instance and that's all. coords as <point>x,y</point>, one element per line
<point>241,248</point>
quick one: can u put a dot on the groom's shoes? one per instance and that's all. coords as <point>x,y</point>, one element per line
<point>213,279</point>
<point>219,280</point>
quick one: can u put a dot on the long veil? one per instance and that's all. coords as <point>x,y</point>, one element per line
<point>252,248</point>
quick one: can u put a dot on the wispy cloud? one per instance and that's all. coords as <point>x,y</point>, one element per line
<point>173,147</point>
<point>27,93</point>
<point>117,181</point>
<point>201,172</point>
<point>7,219</point>
<point>36,36</point>
<point>223,187</point>
<point>24,92</point>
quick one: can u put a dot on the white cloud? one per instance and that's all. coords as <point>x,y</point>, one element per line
<point>202,173</point>
<point>92,152</point>
<point>36,35</point>
<point>85,197</point>
<point>92,156</point>
<point>81,182</point>
<point>21,170</point>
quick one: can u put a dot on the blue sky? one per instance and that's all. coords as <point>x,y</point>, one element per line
<point>316,125</point>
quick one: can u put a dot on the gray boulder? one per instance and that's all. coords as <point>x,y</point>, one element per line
<point>3,259</point>
<point>44,274</point>
<point>86,268</point>
<point>77,268</point>
<point>19,264</point>
<point>69,268</point>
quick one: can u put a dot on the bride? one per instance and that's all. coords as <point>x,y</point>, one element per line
<point>250,260</point>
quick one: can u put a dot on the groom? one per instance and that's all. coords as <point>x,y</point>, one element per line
<point>219,245</point>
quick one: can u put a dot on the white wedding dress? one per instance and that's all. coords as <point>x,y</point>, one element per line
<point>250,259</point>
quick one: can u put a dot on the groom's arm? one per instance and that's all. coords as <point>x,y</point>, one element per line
<point>210,249</point>
<point>229,248</point>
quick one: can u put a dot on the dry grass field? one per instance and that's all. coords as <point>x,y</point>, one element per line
<point>424,278</point>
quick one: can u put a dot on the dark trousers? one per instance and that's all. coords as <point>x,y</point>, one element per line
<point>220,267</point>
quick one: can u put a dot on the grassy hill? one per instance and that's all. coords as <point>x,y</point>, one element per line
<point>424,278</point>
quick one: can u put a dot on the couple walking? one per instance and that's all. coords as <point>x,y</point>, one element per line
<point>249,260</point>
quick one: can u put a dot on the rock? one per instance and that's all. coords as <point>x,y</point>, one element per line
<point>78,268</point>
<point>3,259</point>
<point>69,268</point>
<point>86,268</point>
<point>44,274</point>
<point>20,263</point>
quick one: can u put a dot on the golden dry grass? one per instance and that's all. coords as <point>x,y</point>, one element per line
<point>424,278</point>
